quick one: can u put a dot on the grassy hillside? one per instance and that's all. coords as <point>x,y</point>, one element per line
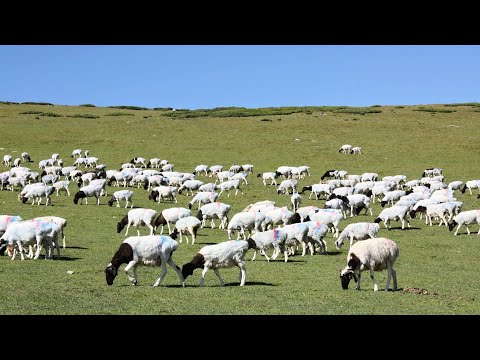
<point>394,139</point>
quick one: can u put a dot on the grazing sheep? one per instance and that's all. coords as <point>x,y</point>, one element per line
<point>471,184</point>
<point>241,221</point>
<point>208,187</point>
<point>286,186</point>
<point>139,160</point>
<point>190,185</point>
<point>163,192</point>
<point>119,195</point>
<point>329,217</point>
<point>346,149</point>
<point>154,162</point>
<point>319,189</point>
<point>259,205</point>
<point>6,220</point>
<point>57,220</point>
<point>62,185</point>
<point>17,162</point>
<point>393,213</point>
<point>37,192</point>
<point>338,204</point>
<point>368,177</point>
<point>201,168</point>
<point>281,215</point>
<point>188,224</point>
<point>432,172</point>
<point>357,231</point>
<point>7,160</point>
<point>375,254</point>
<point>465,218</point>
<point>204,197</point>
<point>228,185</point>
<point>242,176</point>
<point>223,255</point>
<point>455,185</point>
<point>268,176</point>
<point>26,157</point>
<point>214,169</point>
<point>152,250</point>
<point>235,168</point>
<point>88,191</point>
<point>138,217</point>
<point>215,210</point>
<point>392,196</point>
<point>358,202</point>
<point>271,238</point>
<point>329,174</point>
<point>305,210</point>
<point>298,233</point>
<point>171,216</point>
<point>248,168</point>
<point>285,171</point>
<point>356,150</point>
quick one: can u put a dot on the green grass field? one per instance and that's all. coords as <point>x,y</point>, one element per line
<point>396,140</point>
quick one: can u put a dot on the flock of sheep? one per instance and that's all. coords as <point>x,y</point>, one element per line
<point>267,225</point>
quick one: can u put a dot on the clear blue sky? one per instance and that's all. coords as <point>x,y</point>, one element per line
<point>254,76</point>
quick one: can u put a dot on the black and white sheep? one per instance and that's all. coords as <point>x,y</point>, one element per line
<point>170,216</point>
<point>346,149</point>
<point>375,254</point>
<point>190,185</point>
<point>465,218</point>
<point>88,191</point>
<point>393,213</point>
<point>126,195</point>
<point>319,189</point>
<point>268,176</point>
<point>150,250</point>
<point>471,184</point>
<point>223,255</point>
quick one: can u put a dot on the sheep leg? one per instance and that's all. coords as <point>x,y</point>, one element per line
<point>128,227</point>
<point>264,254</point>
<point>254,254</point>
<point>243,272</point>
<point>162,274</point>
<point>372,276</point>
<point>128,267</point>
<point>177,270</point>
<point>358,280</point>
<point>202,278</point>
<point>468,230</point>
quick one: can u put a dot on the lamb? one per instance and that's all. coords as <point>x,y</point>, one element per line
<point>228,185</point>
<point>62,185</point>
<point>287,185</point>
<point>188,224</point>
<point>471,184</point>
<point>213,210</point>
<point>375,254</point>
<point>346,149</point>
<point>296,200</point>
<point>393,213</point>
<point>119,195</point>
<point>203,198</point>
<point>152,250</point>
<point>163,192</point>
<point>170,216</point>
<point>268,176</point>
<point>190,185</point>
<point>138,217</point>
<point>88,191</point>
<point>57,220</point>
<point>201,168</point>
<point>26,157</point>
<point>465,218</point>
<point>357,231</point>
<point>223,255</point>
<point>319,189</point>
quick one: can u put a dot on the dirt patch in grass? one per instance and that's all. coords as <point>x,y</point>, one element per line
<point>419,291</point>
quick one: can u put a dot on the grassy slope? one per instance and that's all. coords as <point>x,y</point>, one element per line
<point>396,141</point>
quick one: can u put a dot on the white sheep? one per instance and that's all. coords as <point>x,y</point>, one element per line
<point>201,168</point>
<point>171,216</point>
<point>305,210</point>
<point>455,185</point>
<point>271,238</point>
<point>139,160</point>
<point>151,250</point>
<point>393,213</point>
<point>57,220</point>
<point>119,195</point>
<point>297,233</point>
<point>368,177</point>
<point>329,217</point>
<point>338,204</point>
<point>229,185</point>
<point>259,205</point>
<point>62,185</point>
<point>208,187</point>
<point>190,185</point>
<point>356,150</point>
<point>465,218</point>
<point>37,192</point>
<point>242,176</point>
<point>6,220</point>
<point>202,198</point>
<point>358,202</point>
<point>319,189</point>
<point>281,216</point>
<point>241,221</point>
<point>154,162</point>
<point>76,152</point>
<point>138,217</point>
<point>296,200</point>
<point>215,210</point>
<point>317,232</point>
<point>392,196</point>
<point>188,224</point>
<point>223,255</point>
<point>375,254</point>
<point>286,186</point>
<point>27,188</point>
<point>268,176</point>
<point>248,168</point>
<point>214,169</point>
<point>7,160</point>
<point>357,231</point>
